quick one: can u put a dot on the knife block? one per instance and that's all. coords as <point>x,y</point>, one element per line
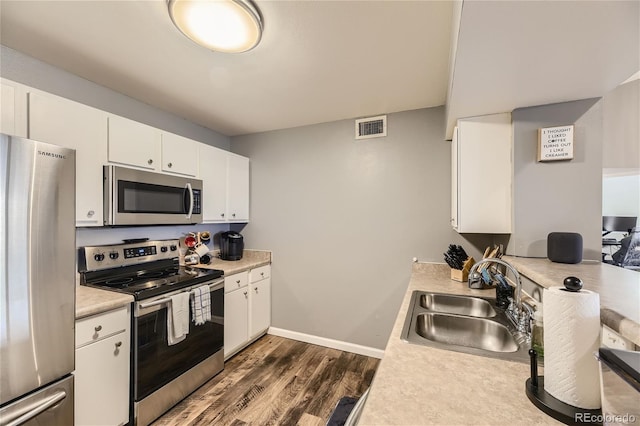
<point>462,275</point>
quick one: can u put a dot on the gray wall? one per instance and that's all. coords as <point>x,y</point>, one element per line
<point>27,70</point>
<point>344,219</point>
<point>621,127</point>
<point>557,196</point>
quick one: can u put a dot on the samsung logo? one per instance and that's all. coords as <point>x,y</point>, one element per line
<point>52,155</point>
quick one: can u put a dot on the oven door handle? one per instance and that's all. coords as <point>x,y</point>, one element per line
<point>212,287</point>
<point>154,303</point>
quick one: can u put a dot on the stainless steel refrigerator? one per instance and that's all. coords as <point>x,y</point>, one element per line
<point>37,282</point>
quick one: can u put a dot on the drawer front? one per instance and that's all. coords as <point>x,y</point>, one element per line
<point>260,273</point>
<point>97,327</point>
<point>236,281</point>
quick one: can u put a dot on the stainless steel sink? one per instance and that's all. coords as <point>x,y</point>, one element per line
<point>452,304</point>
<point>458,330</point>
<point>473,325</point>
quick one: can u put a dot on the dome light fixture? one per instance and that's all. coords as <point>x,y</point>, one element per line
<point>229,26</point>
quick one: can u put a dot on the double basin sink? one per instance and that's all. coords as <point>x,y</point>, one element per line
<point>468,324</point>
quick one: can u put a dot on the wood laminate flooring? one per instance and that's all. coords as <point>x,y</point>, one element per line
<point>276,381</point>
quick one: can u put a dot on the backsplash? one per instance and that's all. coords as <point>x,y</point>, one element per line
<point>107,235</point>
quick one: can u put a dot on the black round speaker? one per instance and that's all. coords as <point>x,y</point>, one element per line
<point>564,247</point>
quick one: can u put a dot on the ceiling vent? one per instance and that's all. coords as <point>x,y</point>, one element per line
<point>371,127</point>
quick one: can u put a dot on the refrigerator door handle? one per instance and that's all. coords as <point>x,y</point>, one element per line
<point>27,413</point>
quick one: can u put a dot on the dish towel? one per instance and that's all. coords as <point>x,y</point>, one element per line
<point>178,318</point>
<point>201,305</point>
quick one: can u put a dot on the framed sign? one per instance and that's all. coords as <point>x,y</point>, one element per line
<point>555,143</point>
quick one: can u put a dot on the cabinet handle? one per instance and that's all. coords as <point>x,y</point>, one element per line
<point>256,289</point>
<point>233,215</point>
<point>238,282</point>
<point>150,161</point>
<point>245,294</point>
<point>221,214</point>
<point>118,344</point>
<point>262,274</point>
<point>170,165</point>
<point>98,328</point>
<point>90,213</point>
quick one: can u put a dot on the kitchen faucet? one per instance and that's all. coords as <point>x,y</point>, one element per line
<point>518,313</point>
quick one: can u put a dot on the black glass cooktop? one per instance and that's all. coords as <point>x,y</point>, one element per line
<point>151,280</point>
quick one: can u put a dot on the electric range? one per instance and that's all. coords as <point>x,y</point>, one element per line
<point>163,370</point>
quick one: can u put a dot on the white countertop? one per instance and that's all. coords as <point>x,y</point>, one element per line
<point>619,288</point>
<point>92,301</point>
<point>419,385</point>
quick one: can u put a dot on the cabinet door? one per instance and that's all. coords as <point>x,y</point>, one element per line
<point>484,155</point>
<point>66,123</point>
<point>237,188</point>
<point>179,155</point>
<point>454,179</point>
<point>259,307</point>
<point>102,382</point>
<point>133,143</point>
<point>236,320</point>
<point>13,109</point>
<point>213,172</point>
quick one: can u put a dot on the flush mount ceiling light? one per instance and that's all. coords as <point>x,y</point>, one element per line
<point>230,26</point>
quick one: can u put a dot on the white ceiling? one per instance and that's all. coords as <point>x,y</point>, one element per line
<point>318,61</point>
<point>325,60</point>
<point>513,54</point>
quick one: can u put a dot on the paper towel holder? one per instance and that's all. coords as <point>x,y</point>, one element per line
<point>572,284</point>
<point>565,413</point>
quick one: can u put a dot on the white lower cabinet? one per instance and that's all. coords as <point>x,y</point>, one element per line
<point>247,308</point>
<point>236,316</point>
<point>259,301</point>
<point>102,369</point>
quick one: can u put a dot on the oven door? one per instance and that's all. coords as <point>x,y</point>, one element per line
<point>155,362</point>
<point>136,197</point>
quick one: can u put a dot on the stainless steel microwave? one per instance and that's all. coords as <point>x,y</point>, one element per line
<point>136,197</point>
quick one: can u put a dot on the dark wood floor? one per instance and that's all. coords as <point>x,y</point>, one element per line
<point>276,381</point>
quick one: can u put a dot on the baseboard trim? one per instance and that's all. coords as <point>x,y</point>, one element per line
<point>327,343</point>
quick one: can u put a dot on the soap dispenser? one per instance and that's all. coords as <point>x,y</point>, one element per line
<point>537,331</point>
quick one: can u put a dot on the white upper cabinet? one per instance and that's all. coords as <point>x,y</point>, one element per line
<point>237,188</point>
<point>66,123</point>
<point>13,109</point>
<point>225,183</point>
<point>482,175</point>
<point>133,143</point>
<point>179,155</point>
<point>213,172</point>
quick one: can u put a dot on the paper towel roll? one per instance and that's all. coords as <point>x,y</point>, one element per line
<point>571,336</point>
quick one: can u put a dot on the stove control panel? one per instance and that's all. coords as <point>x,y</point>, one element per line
<point>141,251</point>
<point>112,256</point>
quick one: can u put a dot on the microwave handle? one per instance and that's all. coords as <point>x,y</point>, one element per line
<point>190,191</point>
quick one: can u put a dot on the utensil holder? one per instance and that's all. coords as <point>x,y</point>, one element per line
<point>503,295</point>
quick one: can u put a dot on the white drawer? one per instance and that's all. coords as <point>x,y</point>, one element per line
<point>236,281</point>
<point>260,273</point>
<point>94,328</point>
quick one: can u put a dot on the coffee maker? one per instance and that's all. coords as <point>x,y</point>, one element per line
<point>231,245</point>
